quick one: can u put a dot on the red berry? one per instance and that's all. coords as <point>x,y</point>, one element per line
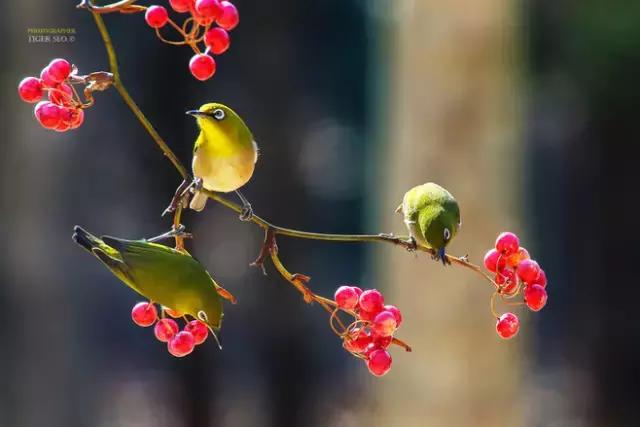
<point>62,126</point>
<point>62,94</point>
<point>371,300</point>
<point>384,324</point>
<point>542,279</point>
<point>199,331</point>
<point>379,362</point>
<point>230,17</point>
<point>357,341</point>
<point>46,79</point>
<point>48,114</point>
<point>346,297</point>
<point>78,118</point>
<point>507,243</point>
<point>144,314</point>
<point>382,342</point>
<point>210,9</point>
<point>165,329</point>
<point>494,261</point>
<point>358,290</point>
<point>181,5</point>
<point>217,39</point>
<point>156,16</point>
<point>181,344</point>
<point>507,279</point>
<point>528,271</point>
<point>368,315</point>
<point>59,69</point>
<point>171,312</point>
<point>396,313</point>
<point>30,89</point>
<point>514,259</point>
<point>535,296</point>
<point>507,325</point>
<point>202,66</point>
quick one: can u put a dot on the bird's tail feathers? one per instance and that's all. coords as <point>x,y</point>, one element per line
<point>198,201</point>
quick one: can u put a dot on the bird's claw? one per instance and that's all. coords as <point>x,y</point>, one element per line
<point>412,244</point>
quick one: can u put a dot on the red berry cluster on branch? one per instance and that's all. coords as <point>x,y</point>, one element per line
<point>63,110</point>
<point>208,23</point>
<point>370,335</point>
<point>515,273</point>
<point>166,329</point>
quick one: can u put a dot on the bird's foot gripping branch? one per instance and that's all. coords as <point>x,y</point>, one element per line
<point>169,278</point>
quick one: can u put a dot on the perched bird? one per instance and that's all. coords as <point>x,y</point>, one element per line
<point>432,217</point>
<point>224,155</point>
<point>159,273</point>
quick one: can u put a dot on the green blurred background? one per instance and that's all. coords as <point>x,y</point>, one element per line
<point>524,110</point>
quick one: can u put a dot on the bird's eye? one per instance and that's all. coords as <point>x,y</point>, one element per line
<point>218,114</point>
<point>202,316</point>
<point>447,234</point>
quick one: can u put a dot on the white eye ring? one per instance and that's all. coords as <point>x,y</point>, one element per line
<point>447,234</point>
<point>218,114</point>
<point>202,316</point>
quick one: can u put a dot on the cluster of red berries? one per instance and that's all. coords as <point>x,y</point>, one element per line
<point>372,332</point>
<point>63,111</point>
<point>199,28</point>
<point>514,269</point>
<point>179,342</point>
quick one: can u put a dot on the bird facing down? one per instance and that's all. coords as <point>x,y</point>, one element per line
<point>432,216</point>
<point>224,154</point>
<point>159,273</point>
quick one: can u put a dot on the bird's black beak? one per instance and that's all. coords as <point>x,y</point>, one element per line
<point>443,256</point>
<point>195,113</point>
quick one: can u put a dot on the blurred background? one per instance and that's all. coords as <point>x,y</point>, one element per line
<point>524,110</point>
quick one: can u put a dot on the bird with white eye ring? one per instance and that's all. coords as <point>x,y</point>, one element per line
<point>432,216</point>
<point>224,155</point>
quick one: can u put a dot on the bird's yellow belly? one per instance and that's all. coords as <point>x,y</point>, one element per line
<point>224,173</point>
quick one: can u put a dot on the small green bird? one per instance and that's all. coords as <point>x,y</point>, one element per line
<point>432,216</point>
<point>159,273</point>
<point>224,155</point>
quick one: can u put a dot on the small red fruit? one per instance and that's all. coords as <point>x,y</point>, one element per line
<point>514,259</point>
<point>165,329</point>
<point>371,300</point>
<point>507,325</point>
<point>379,362</point>
<point>59,69</point>
<point>144,314</point>
<point>528,271</point>
<point>384,324</point>
<point>542,279</point>
<point>156,16</point>
<point>396,313</point>
<point>217,39</point>
<point>78,118</point>
<point>358,341</point>
<point>181,5</point>
<point>62,126</point>
<point>346,297</point>
<point>535,296</point>
<point>494,261</point>
<point>46,79</point>
<point>62,94</point>
<point>202,66</point>
<point>358,290</point>
<point>507,243</point>
<point>181,344</point>
<point>30,89</point>
<point>230,16</point>
<point>507,279</point>
<point>382,342</point>
<point>210,9</point>
<point>199,331</point>
<point>48,114</point>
